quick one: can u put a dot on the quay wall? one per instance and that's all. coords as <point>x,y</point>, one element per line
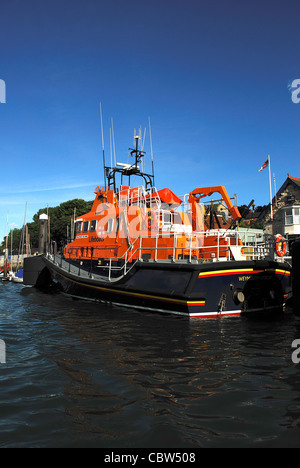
<point>14,259</point>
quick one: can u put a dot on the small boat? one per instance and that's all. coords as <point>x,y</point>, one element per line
<point>17,277</point>
<point>151,250</point>
<point>4,278</point>
<point>5,273</point>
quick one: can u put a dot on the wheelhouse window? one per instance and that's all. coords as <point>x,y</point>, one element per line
<point>117,225</point>
<point>85,226</point>
<point>110,225</point>
<point>93,225</point>
<point>78,227</point>
<point>167,218</point>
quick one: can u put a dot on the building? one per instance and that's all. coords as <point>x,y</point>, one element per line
<point>286,211</point>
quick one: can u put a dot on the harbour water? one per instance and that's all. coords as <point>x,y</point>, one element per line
<point>86,375</point>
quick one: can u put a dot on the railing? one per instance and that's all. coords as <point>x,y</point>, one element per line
<point>138,196</point>
<point>136,252</point>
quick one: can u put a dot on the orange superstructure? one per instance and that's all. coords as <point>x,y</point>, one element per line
<point>140,223</point>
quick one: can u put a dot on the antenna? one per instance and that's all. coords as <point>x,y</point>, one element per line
<point>102,143</point>
<point>129,169</point>
<point>143,139</point>
<point>110,146</point>
<point>113,140</point>
<point>151,149</point>
<point>143,144</point>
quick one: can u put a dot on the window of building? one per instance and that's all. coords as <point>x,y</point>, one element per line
<point>296,215</point>
<point>292,216</point>
<point>289,217</point>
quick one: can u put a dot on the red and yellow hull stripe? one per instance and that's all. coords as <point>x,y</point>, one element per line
<point>196,303</point>
<point>283,272</point>
<point>243,271</point>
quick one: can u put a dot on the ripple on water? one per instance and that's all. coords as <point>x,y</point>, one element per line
<point>79,374</point>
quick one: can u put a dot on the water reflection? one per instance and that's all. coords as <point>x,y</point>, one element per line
<point>120,378</point>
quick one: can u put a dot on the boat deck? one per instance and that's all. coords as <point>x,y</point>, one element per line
<point>78,270</point>
<point>112,271</point>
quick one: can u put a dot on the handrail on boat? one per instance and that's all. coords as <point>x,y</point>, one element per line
<point>253,251</point>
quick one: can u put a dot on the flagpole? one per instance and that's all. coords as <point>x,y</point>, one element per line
<point>271,196</point>
<point>275,190</point>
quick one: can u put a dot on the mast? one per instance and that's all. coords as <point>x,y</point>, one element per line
<point>11,249</point>
<point>151,151</point>
<point>113,140</point>
<point>6,248</point>
<point>128,170</point>
<point>22,239</point>
<point>270,181</point>
<point>102,143</point>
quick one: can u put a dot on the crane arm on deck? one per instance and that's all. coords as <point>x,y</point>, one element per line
<point>196,195</point>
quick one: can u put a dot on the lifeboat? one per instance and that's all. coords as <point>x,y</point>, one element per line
<point>152,250</point>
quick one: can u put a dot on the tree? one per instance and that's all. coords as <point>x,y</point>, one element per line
<point>15,235</point>
<point>59,218</point>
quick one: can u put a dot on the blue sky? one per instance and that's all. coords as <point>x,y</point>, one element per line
<point>213,76</point>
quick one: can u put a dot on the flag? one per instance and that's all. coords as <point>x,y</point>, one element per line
<point>264,165</point>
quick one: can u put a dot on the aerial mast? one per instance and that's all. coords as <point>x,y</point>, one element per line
<point>102,143</point>
<point>151,152</point>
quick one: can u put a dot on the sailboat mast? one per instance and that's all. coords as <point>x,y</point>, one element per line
<point>11,249</point>
<point>6,247</point>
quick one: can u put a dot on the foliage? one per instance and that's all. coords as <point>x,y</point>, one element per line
<point>60,222</point>
<point>250,218</point>
<point>15,236</point>
<point>252,224</point>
